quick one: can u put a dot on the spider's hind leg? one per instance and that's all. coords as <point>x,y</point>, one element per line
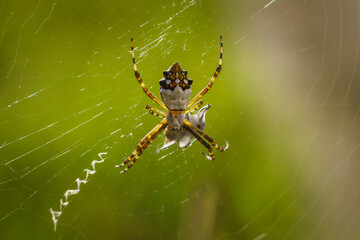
<point>144,143</point>
<point>189,129</point>
<point>207,137</point>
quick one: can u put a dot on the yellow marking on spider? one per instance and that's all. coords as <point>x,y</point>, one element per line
<point>195,106</point>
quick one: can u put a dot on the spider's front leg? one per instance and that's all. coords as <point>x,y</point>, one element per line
<point>207,88</point>
<point>137,75</point>
<point>144,143</point>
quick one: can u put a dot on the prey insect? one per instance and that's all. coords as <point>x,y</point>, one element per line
<point>179,121</point>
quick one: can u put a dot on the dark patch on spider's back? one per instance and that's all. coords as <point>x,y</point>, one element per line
<point>172,85</point>
<point>172,74</point>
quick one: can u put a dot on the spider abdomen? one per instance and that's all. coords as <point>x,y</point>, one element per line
<point>177,99</point>
<point>175,119</point>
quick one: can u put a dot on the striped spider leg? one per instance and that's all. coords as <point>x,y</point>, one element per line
<point>207,137</point>
<point>207,88</point>
<point>194,107</point>
<point>155,112</point>
<point>137,75</point>
<point>190,130</point>
<point>144,143</point>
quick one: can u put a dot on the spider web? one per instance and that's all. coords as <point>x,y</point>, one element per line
<point>287,101</point>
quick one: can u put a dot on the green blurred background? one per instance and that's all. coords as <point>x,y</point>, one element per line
<point>287,101</point>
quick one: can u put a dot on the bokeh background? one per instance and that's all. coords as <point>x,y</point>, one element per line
<point>287,101</point>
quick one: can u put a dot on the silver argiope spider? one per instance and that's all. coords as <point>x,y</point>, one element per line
<point>181,126</point>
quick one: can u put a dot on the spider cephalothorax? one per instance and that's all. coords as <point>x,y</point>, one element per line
<point>181,124</point>
<point>175,77</point>
<point>175,88</point>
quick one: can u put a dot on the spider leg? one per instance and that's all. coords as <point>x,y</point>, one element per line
<point>155,112</point>
<point>202,141</point>
<point>144,143</point>
<point>195,106</point>
<point>143,149</point>
<point>207,88</point>
<point>137,75</point>
<point>207,137</point>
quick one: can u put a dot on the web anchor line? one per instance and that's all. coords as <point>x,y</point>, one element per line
<point>64,200</point>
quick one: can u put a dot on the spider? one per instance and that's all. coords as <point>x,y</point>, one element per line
<point>180,125</point>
